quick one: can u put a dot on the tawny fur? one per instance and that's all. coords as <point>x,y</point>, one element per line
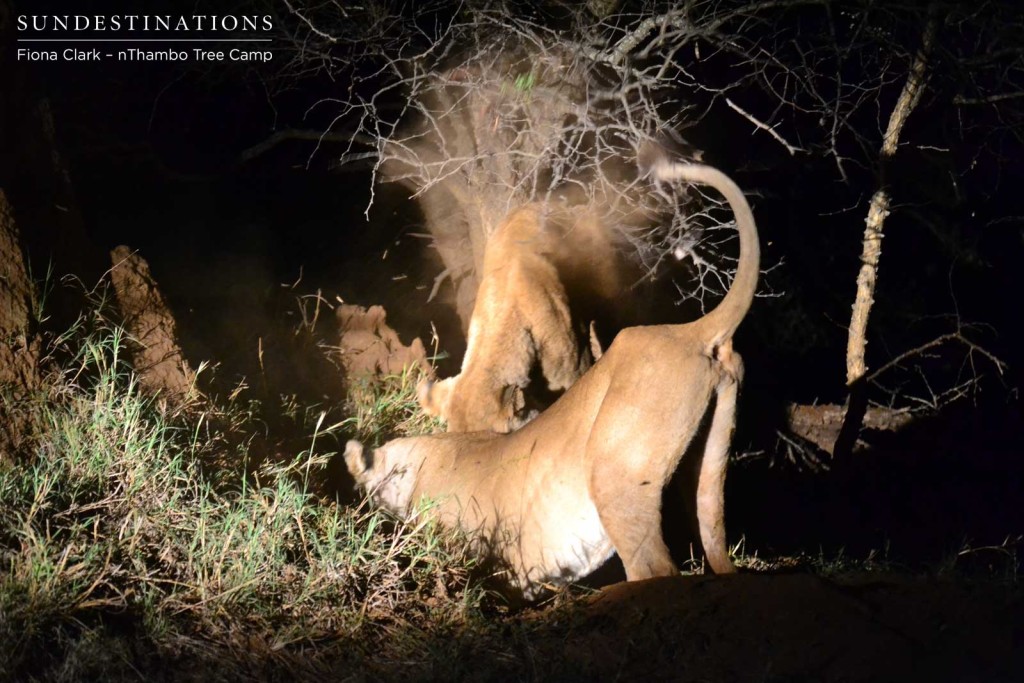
<point>521,318</point>
<point>553,500</point>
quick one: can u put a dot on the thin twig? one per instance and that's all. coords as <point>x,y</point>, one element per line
<point>765,127</point>
<point>297,134</point>
<point>938,341</point>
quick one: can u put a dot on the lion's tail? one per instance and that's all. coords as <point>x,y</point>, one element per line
<point>719,325</point>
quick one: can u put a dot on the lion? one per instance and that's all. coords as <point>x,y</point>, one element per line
<point>554,500</point>
<point>522,317</point>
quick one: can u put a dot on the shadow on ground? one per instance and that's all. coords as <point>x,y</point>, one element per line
<point>755,628</point>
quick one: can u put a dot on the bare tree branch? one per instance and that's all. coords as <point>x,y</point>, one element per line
<point>990,99</point>
<point>293,134</point>
<point>941,340</point>
<point>856,366</point>
<point>763,126</point>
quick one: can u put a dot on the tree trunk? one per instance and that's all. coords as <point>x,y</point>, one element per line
<point>856,365</point>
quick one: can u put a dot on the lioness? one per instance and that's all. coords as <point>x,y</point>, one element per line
<point>521,317</point>
<point>553,500</point>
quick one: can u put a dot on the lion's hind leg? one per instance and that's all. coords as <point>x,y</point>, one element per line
<point>714,462</point>
<point>631,466</point>
<point>629,507</point>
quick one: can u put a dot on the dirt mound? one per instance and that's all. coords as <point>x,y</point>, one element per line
<point>17,360</point>
<point>19,352</point>
<point>156,355</point>
<point>368,347</point>
<point>745,628</point>
<point>798,627</point>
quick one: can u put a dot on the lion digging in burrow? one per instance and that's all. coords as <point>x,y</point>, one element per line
<point>522,316</point>
<point>552,501</point>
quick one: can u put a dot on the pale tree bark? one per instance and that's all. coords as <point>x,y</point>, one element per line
<point>878,210</point>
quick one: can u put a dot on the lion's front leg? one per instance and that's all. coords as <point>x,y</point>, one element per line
<point>550,326</point>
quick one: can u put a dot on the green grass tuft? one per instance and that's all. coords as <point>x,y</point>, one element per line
<point>110,519</point>
<point>389,408</point>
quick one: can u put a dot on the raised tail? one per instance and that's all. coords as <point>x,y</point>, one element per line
<point>719,325</point>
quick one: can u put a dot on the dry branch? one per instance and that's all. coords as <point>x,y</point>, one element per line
<point>856,365</point>
<point>820,424</point>
<point>517,119</point>
<point>495,110</point>
<point>763,126</point>
<point>287,134</point>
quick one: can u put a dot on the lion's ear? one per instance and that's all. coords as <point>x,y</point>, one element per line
<point>355,459</point>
